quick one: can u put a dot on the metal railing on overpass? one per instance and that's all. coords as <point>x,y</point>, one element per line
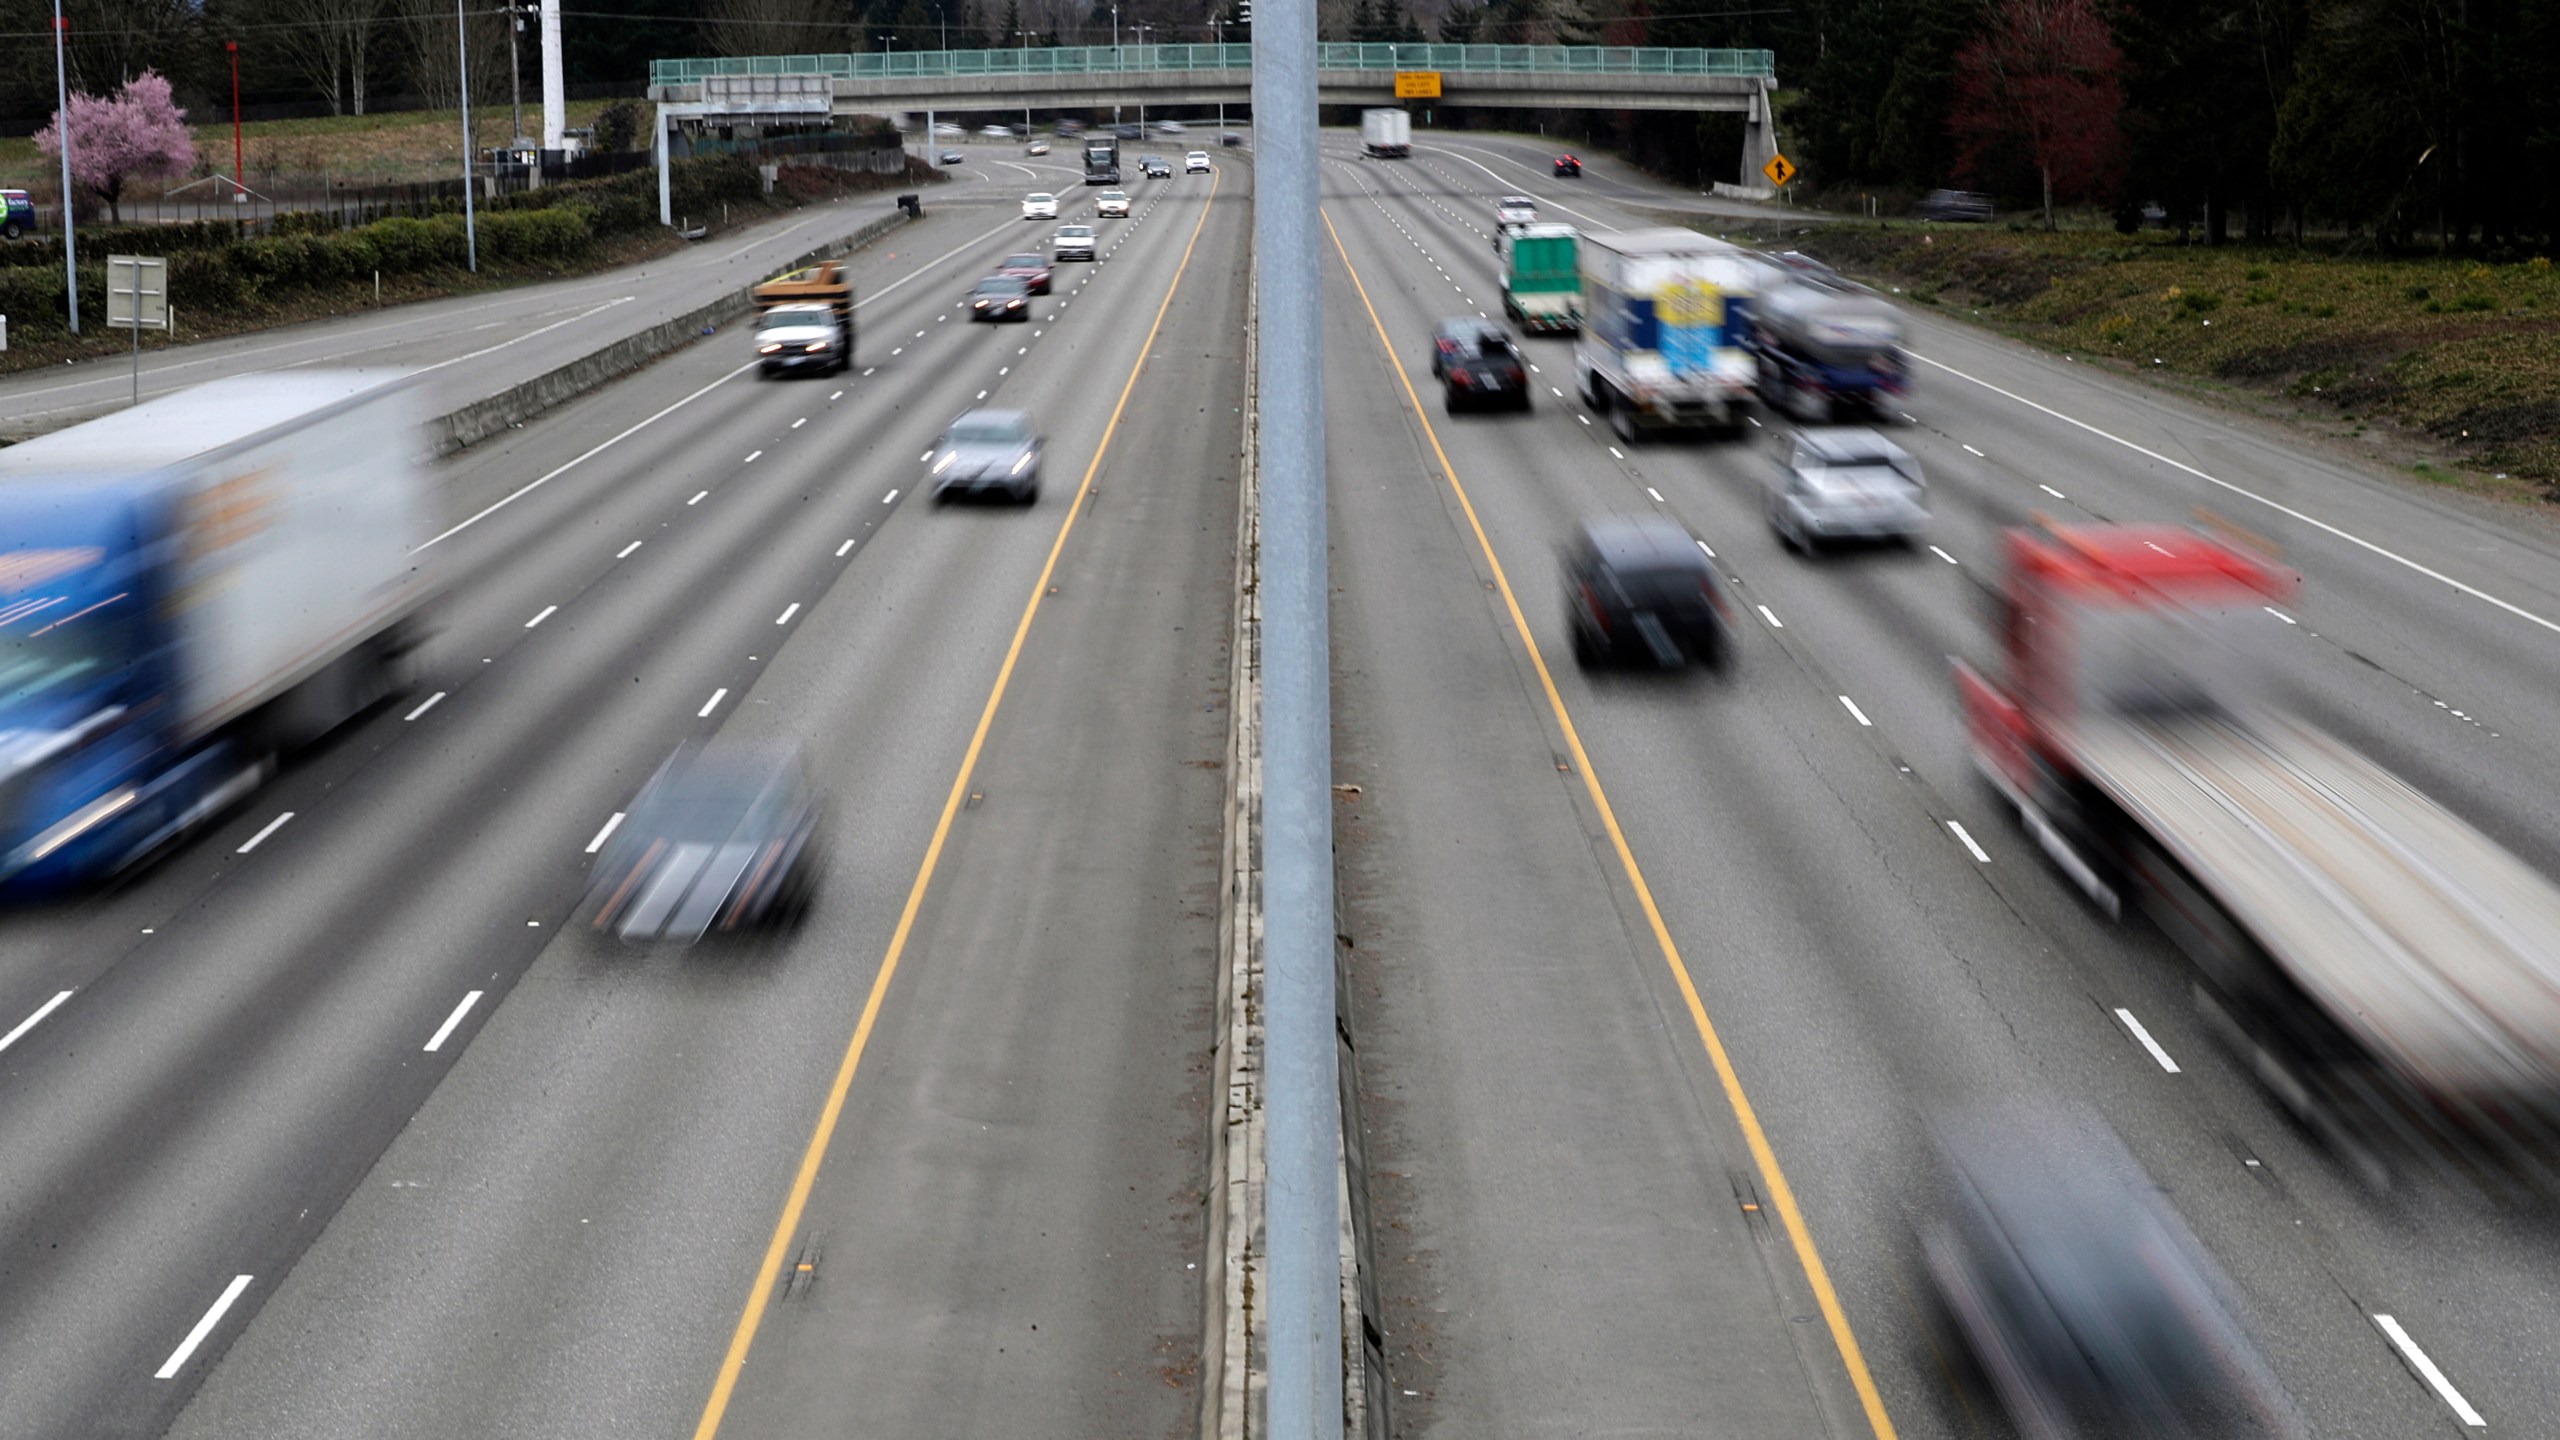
<point>1110,59</point>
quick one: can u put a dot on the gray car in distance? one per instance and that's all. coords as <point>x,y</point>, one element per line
<point>988,452</point>
<point>1843,483</point>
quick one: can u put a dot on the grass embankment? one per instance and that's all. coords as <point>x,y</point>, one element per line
<point>225,284</point>
<point>395,148</point>
<point>2465,353</point>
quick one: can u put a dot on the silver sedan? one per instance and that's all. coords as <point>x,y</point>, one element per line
<point>988,451</point>
<point>1838,484</point>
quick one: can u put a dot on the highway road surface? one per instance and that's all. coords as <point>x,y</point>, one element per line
<point>1574,1236</point>
<point>474,346</point>
<point>343,1129</point>
<point>335,1123</point>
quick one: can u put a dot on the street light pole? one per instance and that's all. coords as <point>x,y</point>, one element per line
<point>515,70</point>
<point>1117,64</point>
<point>62,133</point>
<point>470,211</point>
<point>239,192</point>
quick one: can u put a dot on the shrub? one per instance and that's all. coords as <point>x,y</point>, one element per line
<point>2416,292</point>
<point>2256,272</point>
<point>2197,302</point>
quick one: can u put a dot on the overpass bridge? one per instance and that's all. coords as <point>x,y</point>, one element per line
<point>779,89</point>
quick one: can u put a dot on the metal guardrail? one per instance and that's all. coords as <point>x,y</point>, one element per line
<point>1110,59</point>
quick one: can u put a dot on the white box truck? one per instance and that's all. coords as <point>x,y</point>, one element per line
<point>1386,134</point>
<point>1664,315</point>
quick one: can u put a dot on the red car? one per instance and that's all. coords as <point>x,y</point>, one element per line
<point>1566,165</point>
<point>1031,269</point>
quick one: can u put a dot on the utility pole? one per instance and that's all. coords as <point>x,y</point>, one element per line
<point>1117,64</point>
<point>239,192</point>
<point>62,132</point>
<point>555,81</point>
<point>470,208</point>
<point>515,70</point>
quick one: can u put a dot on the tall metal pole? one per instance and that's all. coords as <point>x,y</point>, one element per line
<point>62,132</point>
<point>470,209</point>
<point>239,191</point>
<point>515,71</point>
<point>1116,64</point>
<point>1303,1140</point>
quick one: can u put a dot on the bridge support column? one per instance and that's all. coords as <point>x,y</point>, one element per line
<point>1759,142</point>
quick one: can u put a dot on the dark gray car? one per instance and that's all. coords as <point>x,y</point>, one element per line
<point>988,452</point>
<point>1640,590</point>
<point>1955,205</point>
<point>2084,1302</point>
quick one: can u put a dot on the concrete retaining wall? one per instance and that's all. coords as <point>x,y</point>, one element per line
<point>518,403</point>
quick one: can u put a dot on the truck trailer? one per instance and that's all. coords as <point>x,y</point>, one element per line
<point>1541,276</point>
<point>190,590</point>
<point>2391,973</point>
<point>1823,348</point>
<point>1386,134</point>
<point>1666,315</point>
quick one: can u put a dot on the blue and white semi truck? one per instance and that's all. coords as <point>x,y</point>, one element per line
<point>1666,315</point>
<point>190,590</point>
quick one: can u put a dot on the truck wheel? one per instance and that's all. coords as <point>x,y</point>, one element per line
<point>1622,422</point>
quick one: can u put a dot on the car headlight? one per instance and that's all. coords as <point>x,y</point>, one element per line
<point>773,349</point>
<point>945,462</point>
<point>814,346</point>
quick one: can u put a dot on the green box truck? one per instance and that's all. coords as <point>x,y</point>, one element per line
<point>1541,277</point>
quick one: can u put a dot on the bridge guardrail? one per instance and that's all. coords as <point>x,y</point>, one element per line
<point>1107,59</point>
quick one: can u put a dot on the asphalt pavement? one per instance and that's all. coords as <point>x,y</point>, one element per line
<point>346,1128</point>
<point>474,346</point>
<point>1807,826</point>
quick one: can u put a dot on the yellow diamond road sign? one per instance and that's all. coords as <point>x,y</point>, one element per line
<point>1417,84</point>
<point>1780,170</point>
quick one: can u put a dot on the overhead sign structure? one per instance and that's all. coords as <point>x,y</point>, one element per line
<point>1780,170</point>
<point>1417,84</point>
<point>138,285</point>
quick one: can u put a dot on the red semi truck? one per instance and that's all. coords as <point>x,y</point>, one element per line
<point>2390,972</point>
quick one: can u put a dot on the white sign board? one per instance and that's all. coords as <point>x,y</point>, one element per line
<point>137,284</point>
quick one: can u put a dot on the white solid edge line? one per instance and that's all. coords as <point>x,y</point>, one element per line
<point>712,704</point>
<point>272,827</point>
<point>785,617</point>
<point>424,706</point>
<point>606,833</point>
<point>178,1358</point>
<point>2245,493</point>
<point>547,612</point>
<point>1943,555</point>
<point>1772,617</point>
<point>625,552</point>
<point>2135,1026</point>
<point>1961,834</point>
<point>2427,1370</point>
<point>532,485</point>
<point>436,1041</point>
<point>1855,713</point>
<point>34,1020</point>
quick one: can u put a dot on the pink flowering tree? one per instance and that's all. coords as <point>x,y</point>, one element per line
<point>136,133</point>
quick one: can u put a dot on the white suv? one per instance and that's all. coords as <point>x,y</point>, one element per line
<point>1072,242</point>
<point>1196,163</point>
<point>1111,205</point>
<point>1040,206</point>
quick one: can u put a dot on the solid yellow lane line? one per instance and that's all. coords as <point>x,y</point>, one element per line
<point>761,1294</point>
<point>1773,1179</point>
